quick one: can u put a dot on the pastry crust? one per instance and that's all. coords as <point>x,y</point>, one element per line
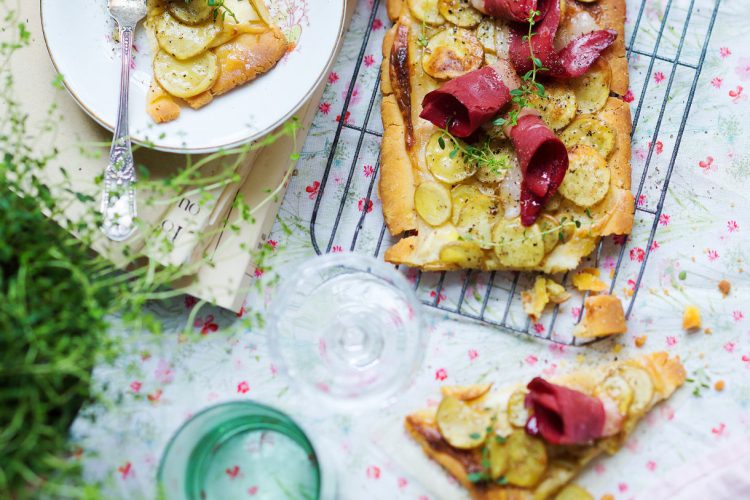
<point>406,134</point>
<point>666,375</point>
<point>604,316</point>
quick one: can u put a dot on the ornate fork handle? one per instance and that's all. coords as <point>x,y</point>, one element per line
<point>118,199</point>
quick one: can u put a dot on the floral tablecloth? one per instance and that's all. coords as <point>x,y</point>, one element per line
<point>703,237</point>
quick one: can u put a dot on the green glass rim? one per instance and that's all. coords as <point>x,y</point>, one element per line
<point>276,421</point>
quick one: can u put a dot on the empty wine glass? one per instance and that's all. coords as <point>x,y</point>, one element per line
<point>347,330</point>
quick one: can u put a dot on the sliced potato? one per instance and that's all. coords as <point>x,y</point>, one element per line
<point>573,491</point>
<point>466,392</point>
<point>464,254</point>
<point>432,201</point>
<point>186,78</point>
<point>616,388</point>
<point>486,34</point>
<point>586,182</point>
<point>518,414</point>
<point>460,424</point>
<point>589,130</point>
<point>497,455</point>
<point>452,53</point>
<point>459,12</point>
<point>461,195</point>
<point>552,233</point>
<point>426,11</point>
<point>643,389</point>
<point>557,107</point>
<point>190,11</point>
<point>184,41</point>
<point>517,246</point>
<point>505,159</point>
<point>445,160</point>
<point>474,214</point>
<point>592,89</point>
<point>527,459</point>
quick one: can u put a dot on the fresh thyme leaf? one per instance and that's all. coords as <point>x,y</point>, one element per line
<point>441,142</point>
<point>478,477</point>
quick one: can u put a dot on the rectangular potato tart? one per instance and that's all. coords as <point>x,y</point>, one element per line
<point>506,139</point>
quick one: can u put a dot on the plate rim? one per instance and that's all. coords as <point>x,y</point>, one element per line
<point>210,149</point>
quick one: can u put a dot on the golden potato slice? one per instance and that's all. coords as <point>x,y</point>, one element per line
<point>432,201</point>
<point>573,491</point>
<point>616,388</point>
<point>552,233</point>
<point>445,160</point>
<point>505,159</point>
<point>589,130</point>
<point>586,182</point>
<point>426,11</point>
<point>518,414</point>
<point>527,459</point>
<point>497,455</point>
<point>461,195</point>
<point>459,12</point>
<point>517,246</point>
<point>190,11</point>
<point>465,392</point>
<point>460,424</point>
<point>557,107</point>
<point>186,78</point>
<point>592,89</point>
<point>184,41</point>
<point>643,389</point>
<point>465,254</point>
<point>452,53</point>
<point>486,34</point>
<point>474,214</point>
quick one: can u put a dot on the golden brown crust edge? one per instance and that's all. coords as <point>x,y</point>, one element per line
<point>396,184</point>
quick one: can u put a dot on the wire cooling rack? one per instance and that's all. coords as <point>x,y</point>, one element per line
<point>665,40</point>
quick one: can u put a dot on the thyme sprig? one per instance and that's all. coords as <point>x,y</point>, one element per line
<point>530,87</point>
<point>220,6</point>
<point>482,156</point>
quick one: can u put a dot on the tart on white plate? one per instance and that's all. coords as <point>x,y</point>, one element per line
<point>203,51</point>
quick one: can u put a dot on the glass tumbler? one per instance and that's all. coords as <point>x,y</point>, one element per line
<point>242,449</point>
<point>347,329</point>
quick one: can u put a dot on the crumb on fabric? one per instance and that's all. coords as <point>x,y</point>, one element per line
<point>640,340</point>
<point>719,385</point>
<point>725,287</point>
<point>691,318</point>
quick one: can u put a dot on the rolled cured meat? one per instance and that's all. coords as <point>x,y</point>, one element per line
<point>572,61</point>
<point>512,10</point>
<point>465,103</point>
<point>563,416</point>
<point>543,159</point>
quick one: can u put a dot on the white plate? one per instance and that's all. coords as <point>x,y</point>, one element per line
<point>78,34</point>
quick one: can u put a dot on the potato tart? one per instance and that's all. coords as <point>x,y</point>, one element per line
<point>203,51</point>
<point>530,441</point>
<point>477,174</point>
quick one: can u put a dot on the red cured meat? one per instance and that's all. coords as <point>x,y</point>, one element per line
<point>543,159</point>
<point>465,103</point>
<point>572,61</point>
<point>512,10</point>
<point>563,416</point>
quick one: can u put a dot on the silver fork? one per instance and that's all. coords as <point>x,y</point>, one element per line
<point>118,199</point>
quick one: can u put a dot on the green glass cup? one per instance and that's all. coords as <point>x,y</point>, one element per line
<point>242,450</point>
